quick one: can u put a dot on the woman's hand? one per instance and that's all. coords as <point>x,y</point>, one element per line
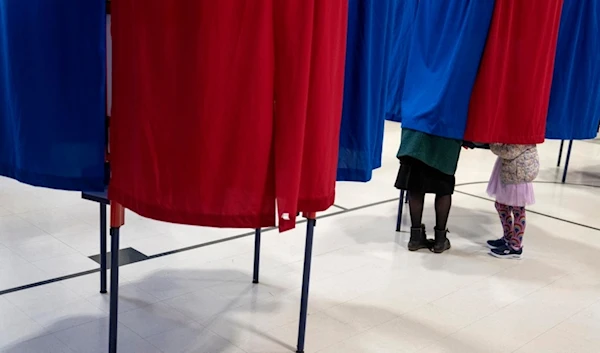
<point>468,145</point>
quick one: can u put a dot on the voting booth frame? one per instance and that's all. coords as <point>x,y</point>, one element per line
<point>568,158</point>
<point>117,220</point>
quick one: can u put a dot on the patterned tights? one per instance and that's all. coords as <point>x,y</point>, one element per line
<point>513,231</point>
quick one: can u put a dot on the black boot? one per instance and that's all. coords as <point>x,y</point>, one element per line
<point>442,243</point>
<point>418,239</point>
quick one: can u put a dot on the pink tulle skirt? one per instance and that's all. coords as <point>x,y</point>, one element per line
<point>520,195</point>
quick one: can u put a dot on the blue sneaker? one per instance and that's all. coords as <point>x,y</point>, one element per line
<point>506,252</point>
<point>494,244</point>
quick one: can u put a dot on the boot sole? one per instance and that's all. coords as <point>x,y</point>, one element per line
<point>510,257</point>
<point>441,251</point>
<point>417,249</point>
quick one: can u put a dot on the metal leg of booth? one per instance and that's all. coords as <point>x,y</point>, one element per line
<point>310,230</point>
<point>560,152</point>
<point>567,160</point>
<point>114,289</point>
<point>255,275</point>
<point>103,244</point>
<point>117,220</point>
<point>400,211</point>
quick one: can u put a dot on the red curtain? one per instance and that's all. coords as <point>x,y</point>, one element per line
<point>195,135</point>
<point>509,103</point>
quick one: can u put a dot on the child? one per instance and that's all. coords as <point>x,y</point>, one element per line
<point>511,184</point>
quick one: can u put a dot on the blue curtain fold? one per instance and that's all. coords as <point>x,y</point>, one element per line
<point>574,110</point>
<point>402,25</point>
<point>446,48</point>
<point>368,50</point>
<point>52,92</point>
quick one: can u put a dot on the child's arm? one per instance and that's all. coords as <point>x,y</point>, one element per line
<point>507,151</point>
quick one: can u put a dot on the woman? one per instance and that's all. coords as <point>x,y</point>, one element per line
<point>427,166</point>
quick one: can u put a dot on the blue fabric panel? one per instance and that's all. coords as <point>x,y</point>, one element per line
<point>52,92</point>
<point>402,24</point>
<point>574,110</point>
<point>447,45</point>
<point>365,89</point>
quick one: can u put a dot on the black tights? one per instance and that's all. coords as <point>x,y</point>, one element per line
<point>416,201</point>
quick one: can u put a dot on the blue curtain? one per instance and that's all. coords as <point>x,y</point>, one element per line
<point>402,24</point>
<point>447,44</point>
<point>574,110</point>
<point>52,92</point>
<point>365,91</point>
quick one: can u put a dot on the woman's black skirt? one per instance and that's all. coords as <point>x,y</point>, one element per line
<point>418,177</point>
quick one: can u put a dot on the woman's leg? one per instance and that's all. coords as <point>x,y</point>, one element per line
<point>418,238</point>
<point>442,210</point>
<point>516,240</point>
<point>443,203</point>
<point>416,201</point>
<point>506,218</point>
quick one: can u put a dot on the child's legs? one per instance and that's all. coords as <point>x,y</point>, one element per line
<point>516,241</point>
<point>505,213</point>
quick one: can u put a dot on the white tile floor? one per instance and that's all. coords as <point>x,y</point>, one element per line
<point>368,294</point>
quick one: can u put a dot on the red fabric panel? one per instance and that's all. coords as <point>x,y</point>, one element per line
<point>309,85</point>
<point>509,103</point>
<point>195,138</point>
<point>192,122</point>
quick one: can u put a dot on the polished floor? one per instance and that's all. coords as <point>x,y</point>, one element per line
<point>368,293</point>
